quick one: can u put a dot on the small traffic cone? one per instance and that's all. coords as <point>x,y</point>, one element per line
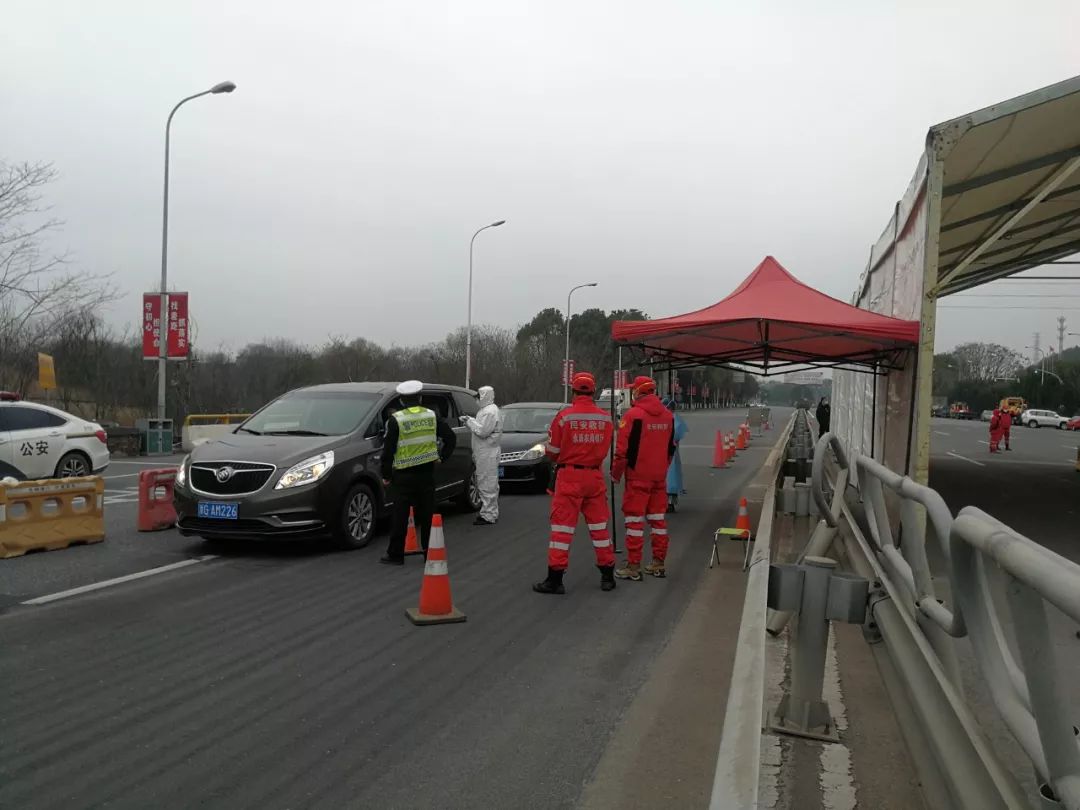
<point>412,546</point>
<point>436,606</point>
<point>719,458</point>
<point>742,522</point>
<point>740,439</point>
<point>729,449</point>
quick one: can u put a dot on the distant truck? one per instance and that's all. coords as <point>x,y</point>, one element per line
<point>960,410</point>
<point>1015,406</point>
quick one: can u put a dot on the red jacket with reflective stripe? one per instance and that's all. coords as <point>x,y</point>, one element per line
<point>646,441</point>
<point>580,434</point>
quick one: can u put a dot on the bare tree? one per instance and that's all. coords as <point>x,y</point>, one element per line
<point>37,293</point>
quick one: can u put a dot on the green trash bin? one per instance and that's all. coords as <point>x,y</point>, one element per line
<point>155,436</point>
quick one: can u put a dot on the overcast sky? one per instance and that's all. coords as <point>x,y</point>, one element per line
<point>658,148</point>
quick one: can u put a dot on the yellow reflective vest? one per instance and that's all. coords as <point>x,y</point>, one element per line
<point>417,438</point>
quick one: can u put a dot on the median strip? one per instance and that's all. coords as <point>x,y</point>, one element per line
<point>108,583</point>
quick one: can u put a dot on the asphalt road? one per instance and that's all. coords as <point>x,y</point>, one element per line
<point>1035,489</point>
<point>281,676</point>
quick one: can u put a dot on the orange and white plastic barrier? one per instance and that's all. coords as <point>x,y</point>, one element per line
<point>436,605</point>
<point>156,510</point>
<point>51,514</point>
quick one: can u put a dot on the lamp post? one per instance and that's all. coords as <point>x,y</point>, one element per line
<point>163,356</point>
<point>468,327</point>
<point>566,361</point>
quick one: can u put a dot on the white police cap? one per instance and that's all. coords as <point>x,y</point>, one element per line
<point>410,388</point>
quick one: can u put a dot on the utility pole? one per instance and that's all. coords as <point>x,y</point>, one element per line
<point>1061,333</point>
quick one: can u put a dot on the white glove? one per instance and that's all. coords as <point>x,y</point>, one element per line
<point>464,420</point>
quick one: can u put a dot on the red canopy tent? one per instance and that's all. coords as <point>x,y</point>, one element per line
<point>771,323</point>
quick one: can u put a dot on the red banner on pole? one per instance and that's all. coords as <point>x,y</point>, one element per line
<point>151,326</point>
<point>567,371</point>
<point>179,331</point>
<point>622,378</point>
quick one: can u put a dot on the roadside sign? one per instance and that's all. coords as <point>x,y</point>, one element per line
<point>46,372</point>
<point>151,326</point>
<point>179,334</point>
<point>567,371</point>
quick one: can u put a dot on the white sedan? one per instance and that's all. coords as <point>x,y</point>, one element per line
<point>43,442</point>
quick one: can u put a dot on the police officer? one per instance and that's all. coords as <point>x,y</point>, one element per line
<point>411,449</point>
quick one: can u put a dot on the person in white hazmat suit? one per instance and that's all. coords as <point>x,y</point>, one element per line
<point>486,429</point>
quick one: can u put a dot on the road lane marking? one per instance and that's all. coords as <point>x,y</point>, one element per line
<point>942,433</point>
<point>108,583</point>
<point>147,463</point>
<point>965,458</point>
<point>125,475</point>
<point>983,441</point>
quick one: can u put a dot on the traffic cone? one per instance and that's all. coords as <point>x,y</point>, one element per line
<point>729,446</point>
<point>412,546</point>
<point>740,439</point>
<point>742,522</point>
<point>436,606</point>
<point>719,457</point>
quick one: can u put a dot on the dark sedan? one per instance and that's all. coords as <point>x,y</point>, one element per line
<point>521,451</point>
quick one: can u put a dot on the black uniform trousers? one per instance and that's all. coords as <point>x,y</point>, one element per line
<point>412,487</point>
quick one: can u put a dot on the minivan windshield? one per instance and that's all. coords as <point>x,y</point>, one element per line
<point>313,413</point>
<point>527,420</point>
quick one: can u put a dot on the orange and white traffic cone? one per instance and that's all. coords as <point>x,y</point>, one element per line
<point>412,546</point>
<point>730,448</point>
<point>436,606</point>
<point>740,439</point>
<point>719,458</point>
<point>742,522</point>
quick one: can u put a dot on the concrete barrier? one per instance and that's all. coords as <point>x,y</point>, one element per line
<point>51,514</point>
<point>205,427</point>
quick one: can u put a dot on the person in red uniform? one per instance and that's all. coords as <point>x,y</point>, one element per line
<point>578,443</point>
<point>643,451</point>
<point>997,429</point>
<point>1006,426</point>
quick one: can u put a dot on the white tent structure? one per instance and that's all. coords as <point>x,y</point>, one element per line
<point>996,192</point>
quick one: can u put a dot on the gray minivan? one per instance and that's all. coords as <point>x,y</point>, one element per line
<point>308,465</point>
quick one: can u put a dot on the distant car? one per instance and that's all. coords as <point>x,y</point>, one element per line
<point>1073,424</point>
<point>44,442</point>
<point>986,416</point>
<point>521,452</point>
<point>1035,418</point>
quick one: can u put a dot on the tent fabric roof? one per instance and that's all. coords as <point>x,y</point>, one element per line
<point>771,322</point>
<point>1011,196</point>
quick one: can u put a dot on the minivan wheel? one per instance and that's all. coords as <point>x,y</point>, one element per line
<point>1033,424</point>
<point>470,498</point>
<point>356,524</point>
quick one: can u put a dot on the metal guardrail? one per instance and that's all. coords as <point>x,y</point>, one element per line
<point>738,762</point>
<point>919,631</point>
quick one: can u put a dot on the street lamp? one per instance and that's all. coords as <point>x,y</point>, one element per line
<point>163,357</point>
<point>468,327</point>
<point>566,363</point>
<point>1052,374</point>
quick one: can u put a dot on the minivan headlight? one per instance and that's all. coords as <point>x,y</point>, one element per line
<point>181,472</point>
<point>533,453</point>
<point>307,471</point>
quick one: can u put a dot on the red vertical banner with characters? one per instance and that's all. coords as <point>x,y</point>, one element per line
<point>179,334</point>
<point>151,326</point>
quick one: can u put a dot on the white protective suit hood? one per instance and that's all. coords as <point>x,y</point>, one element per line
<point>486,429</point>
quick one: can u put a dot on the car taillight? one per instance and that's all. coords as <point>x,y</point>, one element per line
<point>103,437</point>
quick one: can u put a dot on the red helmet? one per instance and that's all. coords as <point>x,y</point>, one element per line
<point>643,386</point>
<point>583,383</point>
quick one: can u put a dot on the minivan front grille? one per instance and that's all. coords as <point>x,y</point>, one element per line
<point>242,478</point>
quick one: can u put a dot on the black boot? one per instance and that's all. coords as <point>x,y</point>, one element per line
<point>553,583</point>
<point>607,577</point>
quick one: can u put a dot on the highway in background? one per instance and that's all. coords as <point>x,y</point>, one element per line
<point>288,676</point>
<point>1034,489</point>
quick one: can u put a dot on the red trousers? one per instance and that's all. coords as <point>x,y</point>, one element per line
<point>645,500</point>
<point>995,439</point>
<point>579,492</point>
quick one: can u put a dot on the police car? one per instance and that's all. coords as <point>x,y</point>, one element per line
<point>37,441</point>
